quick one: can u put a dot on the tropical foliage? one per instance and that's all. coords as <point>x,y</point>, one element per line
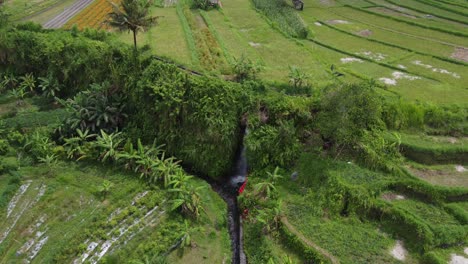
<point>131,15</point>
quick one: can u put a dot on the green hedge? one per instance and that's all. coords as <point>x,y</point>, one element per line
<point>74,59</point>
<point>196,117</point>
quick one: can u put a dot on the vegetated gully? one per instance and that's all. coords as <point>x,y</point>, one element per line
<point>228,188</point>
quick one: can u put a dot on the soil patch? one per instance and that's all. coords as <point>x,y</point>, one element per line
<point>391,12</point>
<point>364,33</point>
<point>460,54</point>
<point>337,21</point>
<point>460,168</point>
<point>456,259</point>
<point>444,177</point>
<point>392,196</point>
<point>169,3</point>
<point>348,60</point>
<point>399,252</point>
<point>327,2</point>
<point>255,45</point>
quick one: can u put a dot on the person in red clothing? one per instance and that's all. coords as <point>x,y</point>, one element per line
<point>241,189</point>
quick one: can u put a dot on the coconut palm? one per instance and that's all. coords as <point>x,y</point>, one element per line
<point>132,16</point>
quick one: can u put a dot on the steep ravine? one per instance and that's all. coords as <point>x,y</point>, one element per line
<point>228,189</point>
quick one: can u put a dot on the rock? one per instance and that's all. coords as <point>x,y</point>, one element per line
<point>294,176</point>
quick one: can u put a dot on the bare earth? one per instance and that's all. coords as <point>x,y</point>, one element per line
<point>460,54</point>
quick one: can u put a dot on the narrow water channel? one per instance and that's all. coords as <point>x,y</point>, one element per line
<point>228,189</point>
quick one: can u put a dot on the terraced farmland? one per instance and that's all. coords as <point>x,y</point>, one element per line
<point>406,48</point>
<point>353,134</point>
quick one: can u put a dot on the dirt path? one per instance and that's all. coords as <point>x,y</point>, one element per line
<point>293,230</point>
<point>67,14</point>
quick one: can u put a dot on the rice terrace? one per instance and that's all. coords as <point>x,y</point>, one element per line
<point>234,131</point>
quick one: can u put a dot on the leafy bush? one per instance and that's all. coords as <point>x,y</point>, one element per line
<point>350,118</point>
<point>99,108</point>
<point>4,146</point>
<point>283,16</point>
<point>75,61</point>
<point>39,145</point>
<point>167,104</point>
<point>202,4</point>
<point>270,145</point>
<point>245,69</point>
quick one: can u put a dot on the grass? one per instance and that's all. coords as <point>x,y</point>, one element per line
<point>75,213</point>
<point>306,207</point>
<point>24,8</point>
<point>47,14</point>
<point>282,16</point>
<point>376,20</point>
<point>213,38</point>
<point>211,239</point>
<point>431,214</point>
<point>164,38</point>
<point>385,34</point>
<point>428,9</point>
<point>349,239</point>
<point>254,37</point>
<point>387,8</point>
<point>445,175</point>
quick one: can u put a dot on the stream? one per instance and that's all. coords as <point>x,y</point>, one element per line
<point>228,189</point>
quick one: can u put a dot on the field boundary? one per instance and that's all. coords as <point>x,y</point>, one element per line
<point>431,3</point>
<point>419,11</point>
<point>371,61</point>
<point>451,32</point>
<point>395,45</point>
<point>188,35</point>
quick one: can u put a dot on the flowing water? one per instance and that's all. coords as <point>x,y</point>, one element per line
<point>228,189</point>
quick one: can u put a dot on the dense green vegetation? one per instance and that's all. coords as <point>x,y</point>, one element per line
<point>102,143</point>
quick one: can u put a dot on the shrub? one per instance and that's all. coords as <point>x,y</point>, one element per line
<point>4,146</point>
<point>167,104</point>
<point>202,4</point>
<point>99,108</point>
<point>74,61</point>
<point>270,145</point>
<point>245,69</point>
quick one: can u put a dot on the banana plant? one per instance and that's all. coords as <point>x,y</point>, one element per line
<point>78,147</point>
<point>49,86</point>
<point>109,145</point>
<point>28,82</point>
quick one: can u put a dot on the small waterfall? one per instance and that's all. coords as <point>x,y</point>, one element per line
<point>228,189</point>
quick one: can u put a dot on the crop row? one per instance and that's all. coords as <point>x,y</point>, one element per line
<point>283,17</point>
<point>431,12</point>
<point>455,33</point>
<point>441,6</point>
<point>94,16</point>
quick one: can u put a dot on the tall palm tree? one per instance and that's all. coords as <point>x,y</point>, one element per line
<point>133,16</point>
